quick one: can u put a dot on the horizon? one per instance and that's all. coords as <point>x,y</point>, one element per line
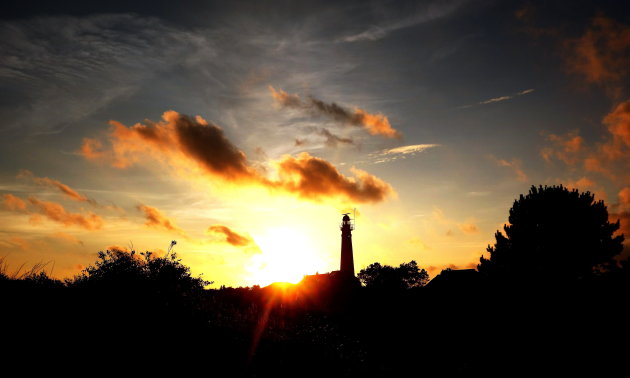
<point>243,131</point>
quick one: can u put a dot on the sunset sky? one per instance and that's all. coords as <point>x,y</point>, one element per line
<point>243,130</point>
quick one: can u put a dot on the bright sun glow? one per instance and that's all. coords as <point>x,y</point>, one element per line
<point>287,255</point>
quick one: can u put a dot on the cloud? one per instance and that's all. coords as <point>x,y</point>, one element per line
<point>57,213</point>
<point>582,183</point>
<point>515,165</point>
<point>333,140</point>
<point>502,98</point>
<point>314,178</point>
<point>567,148</point>
<point>19,242</point>
<point>495,99</point>
<point>92,149</point>
<point>119,54</point>
<point>67,237</point>
<point>374,124</point>
<point>428,11</point>
<point>610,158</point>
<point>601,55</point>
<point>621,212</point>
<point>63,188</point>
<point>618,124</point>
<point>13,203</point>
<point>155,219</point>
<point>402,152</point>
<point>468,227</point>
<point>195,147</point>
<point>231,237</point>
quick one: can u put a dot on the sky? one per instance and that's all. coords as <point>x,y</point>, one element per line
<point>243,130</point>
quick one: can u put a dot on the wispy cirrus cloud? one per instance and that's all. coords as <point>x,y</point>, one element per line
<point>55,76</point>
<point>501,98</point>
<point>426,11</point>
<point>401,152</point>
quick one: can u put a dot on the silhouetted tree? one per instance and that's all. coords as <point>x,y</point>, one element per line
<point>127,269</point>
<point>406,276</point>
<point>553,234</point>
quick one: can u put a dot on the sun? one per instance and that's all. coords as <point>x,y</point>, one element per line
<point>287,254</point>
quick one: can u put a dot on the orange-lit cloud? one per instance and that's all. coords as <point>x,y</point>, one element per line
<point>374,124</point>
<point>13,203</point>
<point>618,124</point>
<point>195,145</point>
<point>53,211</point>
<point>63,188</point>
<point>469,227</point>
<point>57,213</point>
<point>92,149</point>
<point>314,178</point>
<point>19,242</point>
<point>621,212</point>
<point>602,54</point>
<point>231,237</point>
<point>156,219</point>
<point>515,165</point>
<point>567,148</point>
<point>67,237</point>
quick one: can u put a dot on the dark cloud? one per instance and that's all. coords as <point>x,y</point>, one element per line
<point>231,237</point>
<point>374,124</point>
<point>313,178</point>
<point>333,140</point>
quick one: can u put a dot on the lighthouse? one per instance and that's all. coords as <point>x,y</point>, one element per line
<point>347,258</point>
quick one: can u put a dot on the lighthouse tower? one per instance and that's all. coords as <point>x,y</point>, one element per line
<point>347,259</point>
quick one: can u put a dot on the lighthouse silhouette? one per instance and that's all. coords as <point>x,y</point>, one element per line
<point>347,258</point>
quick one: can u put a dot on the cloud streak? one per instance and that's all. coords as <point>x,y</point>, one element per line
<point>401,152</point>
<point>57,213</point>
<point>195,147</point>
<point>516,166</point>
<point>231,237</point>
<point>502,98</point>
<point>374,124</point>
<point>429,12</point>
<point>63,188</point>
<point>156,219</point>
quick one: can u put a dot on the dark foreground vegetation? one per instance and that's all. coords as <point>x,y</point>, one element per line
<point>517,316</point>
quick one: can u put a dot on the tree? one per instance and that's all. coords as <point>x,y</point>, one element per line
<point>406,276</point>
<point>128,269</point>
<point>554,234</point>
